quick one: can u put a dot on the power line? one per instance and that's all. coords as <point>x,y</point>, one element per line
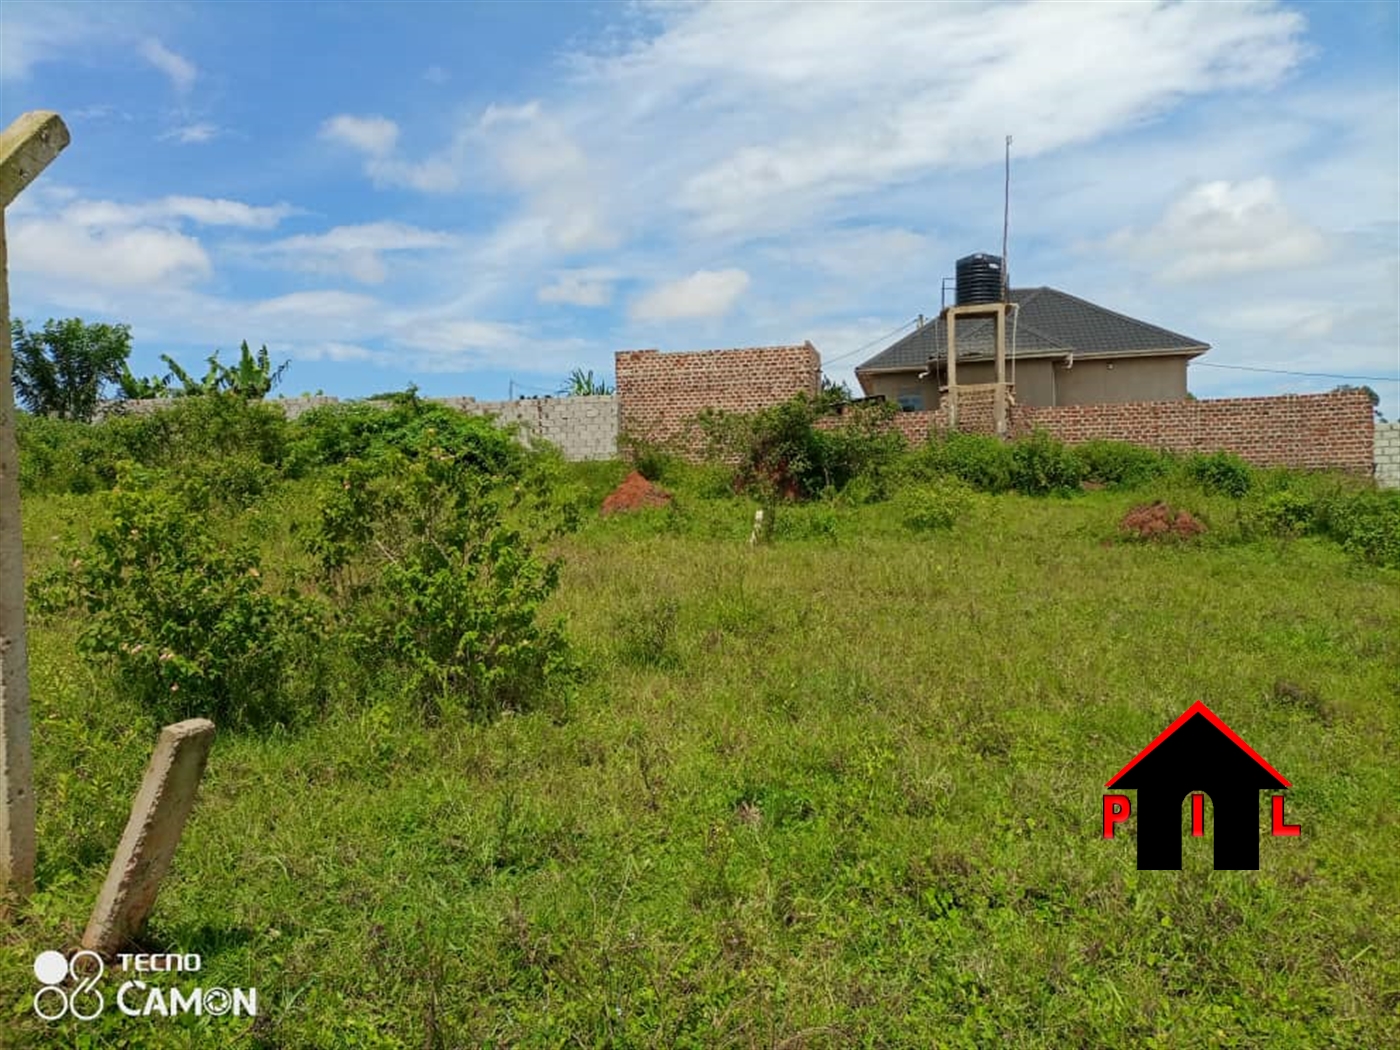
<point>873,342</point>
<point>1286,372</point>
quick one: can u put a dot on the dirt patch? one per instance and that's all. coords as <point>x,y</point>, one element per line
<point>1157,521</point>
<point>635,493</point>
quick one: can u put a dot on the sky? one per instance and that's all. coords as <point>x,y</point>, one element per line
<point>480,198</point>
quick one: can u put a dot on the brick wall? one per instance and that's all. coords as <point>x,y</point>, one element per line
<point>1293,430</point>
<point>661,393</point>
<point>1388,455</point>
<point>1335,430</point>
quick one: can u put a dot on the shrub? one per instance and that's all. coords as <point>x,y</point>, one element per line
<point>816,522</point>
<point>335,434</point>
<point>780,451</point>
<point>58,456</point>
<point>984,462</point>
<point>1281,513</point>
<point>180,616</point>
<point>1041,465</point>
<point>934,506</point>
<point>1367,524</point>
<point>1220,473</point>
<point>1121,465</point>
<point>437,585</point>
<point>651,459</point>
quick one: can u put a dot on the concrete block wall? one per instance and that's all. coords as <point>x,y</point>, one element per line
<point>1388,455</point>
<point>660,394</point>
<point>582,427</point>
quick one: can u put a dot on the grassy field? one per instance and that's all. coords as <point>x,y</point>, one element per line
<point>840,791</point>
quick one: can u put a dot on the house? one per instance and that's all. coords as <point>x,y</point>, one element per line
<point>1060,350</point>
<point>1198,752</point>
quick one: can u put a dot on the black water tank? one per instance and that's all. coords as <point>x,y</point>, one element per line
<point>979,279</point>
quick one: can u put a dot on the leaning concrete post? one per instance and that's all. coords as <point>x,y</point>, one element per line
<point>148,844</point>
<point>26,148</point>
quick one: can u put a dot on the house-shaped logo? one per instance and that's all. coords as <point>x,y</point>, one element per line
<point>1197,753</point>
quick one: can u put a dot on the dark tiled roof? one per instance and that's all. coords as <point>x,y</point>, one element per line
<point>1050,322</point>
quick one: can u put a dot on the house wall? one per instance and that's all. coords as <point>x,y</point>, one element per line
<point>1093,382</point>
<point>893,385</point>
<point>661,394</point>
<point>1388,455</point>
<point>1042,381</point>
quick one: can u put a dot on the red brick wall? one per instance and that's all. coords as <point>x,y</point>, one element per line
<point>1334,430</point>
<point>1293,430</point>
<point>660,393</point>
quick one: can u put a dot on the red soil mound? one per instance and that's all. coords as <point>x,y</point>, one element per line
<point>1157,521</point>
<point>635,493</point>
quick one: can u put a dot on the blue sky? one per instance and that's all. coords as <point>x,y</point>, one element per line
<point>470,196</point>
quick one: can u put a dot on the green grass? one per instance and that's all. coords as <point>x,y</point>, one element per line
<point>840,791</point>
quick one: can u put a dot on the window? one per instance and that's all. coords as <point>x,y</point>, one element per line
<point>911,401</point>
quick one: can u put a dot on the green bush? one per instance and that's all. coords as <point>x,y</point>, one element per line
<point>434,567</point>
<point>1367,524</point>
<point>983,461</point>
<point>1282,513</point>
<point>817,522</point>
<point>1041,465</point>
<point>781,452</point>
<point>1221,473</point>
<point>1121,465</point>
<point>59,456</point>
<point>334,434</point>
<point>652,460</point>
<point>934,506</point>
<point>180,616</point>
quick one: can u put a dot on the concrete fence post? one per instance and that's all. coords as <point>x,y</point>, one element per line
<point>26,148</point>
<point>152,832</point>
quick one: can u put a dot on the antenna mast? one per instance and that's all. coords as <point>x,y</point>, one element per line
<point>1006,218</point>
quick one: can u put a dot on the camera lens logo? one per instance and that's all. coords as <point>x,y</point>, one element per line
<point>84,1001</point>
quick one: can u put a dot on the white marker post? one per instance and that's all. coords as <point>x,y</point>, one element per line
<point>26,148</point>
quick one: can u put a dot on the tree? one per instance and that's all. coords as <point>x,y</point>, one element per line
<point>582,384</point>
<point>1346,388</point>
<point>252,378</point>
<point>61,370</point>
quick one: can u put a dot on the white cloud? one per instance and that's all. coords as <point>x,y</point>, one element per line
<point>120,258</point>
<point>579,288</point>
<point>375,136</point>
<point>34,34</point>
<point>108,245</point>
<point>1222,228</point>
<point>793,108</point>
<point>180,70</point>
<point>204,211</point>
<point>705,293</point>
<point>193,134</point>
<point>353,250</point>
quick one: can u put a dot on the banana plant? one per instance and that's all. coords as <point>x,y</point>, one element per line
<point>252,378</point>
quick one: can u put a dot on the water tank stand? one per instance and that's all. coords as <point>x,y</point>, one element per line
<point>996,311</point>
